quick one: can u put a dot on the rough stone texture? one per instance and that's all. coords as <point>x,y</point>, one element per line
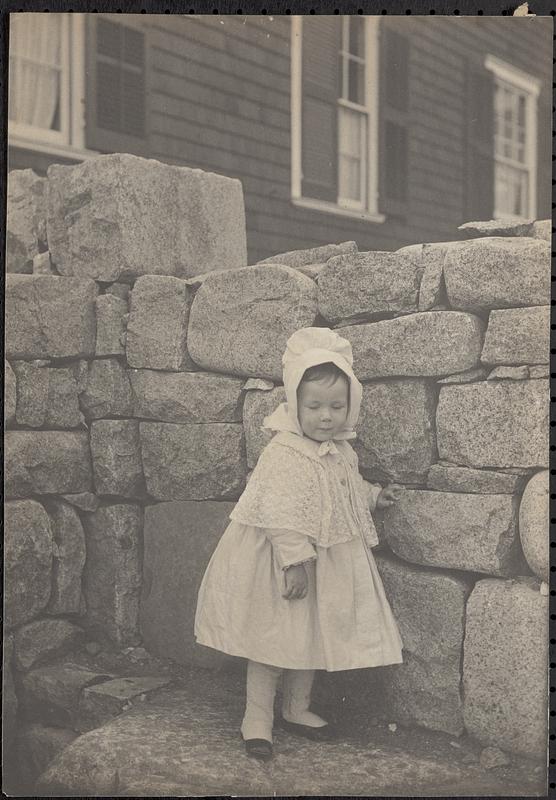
<point>429,344</point>
<point>534,524</point>
<point>9,697</point>
<point>494,424</point>
<point>25,224</point>
<point>101,703</point>
<point>179,539</point>
<point>432,283</point>
<point>157,326</point>
<point>186,396</point>
<point>10,394</point>
<point>477,481</point>
<point>241,320</point>
<point>314,255</point>
<point>27,561</point>
<point>457,531</point>
<point>396,437</point>
<point>518,336</point>
<point>508,374</point>
<point>467,376</point>
<point>84,501</point>
<point>193,462</point>
<point>492,757</point>
<point>38,745</point>
<point>46,397</point>
<point>504,666</point>
<point>44,640</point>
<point>257,405</point>
<point>431,257</point>
<point>111,325</point>
<point>121,290</point>
<point>185,742</point>
<point>539,371</point>
<point>116,453</point>
<point>498,272</point>
<point>42,264</point>
<point>112,574</point>
<point>49,317</point>
<point>497,227</point>
<point>362,286</point>
<point>46,462</point>
<point>108,392</point>
<point>542,229</point>
<point>430,610</point>
<point>51,693</point>
<point>123,216</point>
<point>69,558</point>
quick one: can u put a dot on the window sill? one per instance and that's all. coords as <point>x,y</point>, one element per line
<point>330,208</point>
<point>64,150</point>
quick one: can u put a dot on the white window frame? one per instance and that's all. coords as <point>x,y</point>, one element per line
<point>508,74</point>
<point>69,142</point>
<point>345,207</point>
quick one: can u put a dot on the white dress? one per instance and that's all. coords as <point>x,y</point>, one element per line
<point>303,502</point>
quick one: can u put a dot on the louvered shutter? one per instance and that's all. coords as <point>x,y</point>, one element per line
<point>116,96</point>
<point>479,146</point>
<point>319,123</point>
<point>544,160</point>
<point>393,130</point>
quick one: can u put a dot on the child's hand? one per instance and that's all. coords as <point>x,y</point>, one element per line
<point>389,495</point>
<point>296,582</point>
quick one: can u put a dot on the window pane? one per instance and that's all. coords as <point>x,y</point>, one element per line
<point>350,179</point>
<point>356,82</point>
<point>35,70</point>
<point>350,133</point>
<point>351,144</point>
<point>511,191</point>
<point>357,35</point>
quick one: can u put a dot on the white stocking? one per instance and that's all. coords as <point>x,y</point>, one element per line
<point>262,680</point>
<point>296,697</point>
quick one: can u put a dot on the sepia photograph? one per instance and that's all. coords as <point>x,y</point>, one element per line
<point>276,404</point>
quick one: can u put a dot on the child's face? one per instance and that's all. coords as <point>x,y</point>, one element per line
<point>322,408</point>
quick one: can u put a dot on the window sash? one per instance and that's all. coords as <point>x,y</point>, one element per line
<point>367,202</point>
<point>515,96</point>
<point>18,128</point>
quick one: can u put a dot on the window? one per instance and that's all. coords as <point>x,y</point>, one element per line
<point>515,147</point>
<point>46,77</point>
<point>335,114</point>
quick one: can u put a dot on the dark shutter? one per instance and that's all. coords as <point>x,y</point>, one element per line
<point>393,80</point>
<point>116,93</point>
<point>544,160</point>
<point>479,146</point>
<point>320,73</point>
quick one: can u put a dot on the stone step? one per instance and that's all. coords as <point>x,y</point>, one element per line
<point>185,741</point>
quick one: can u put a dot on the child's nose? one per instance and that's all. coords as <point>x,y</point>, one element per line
<point>325,414</point>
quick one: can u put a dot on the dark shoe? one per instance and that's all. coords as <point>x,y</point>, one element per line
<point>260,749</point>
<point>326,733</point>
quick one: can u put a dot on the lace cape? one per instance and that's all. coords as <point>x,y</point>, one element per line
<point>294,488</point>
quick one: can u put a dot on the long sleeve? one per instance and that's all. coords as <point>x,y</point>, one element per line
<point>290,547</point>
<point>372,491</point>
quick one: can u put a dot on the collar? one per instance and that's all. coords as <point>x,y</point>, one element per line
<point>308,447</point>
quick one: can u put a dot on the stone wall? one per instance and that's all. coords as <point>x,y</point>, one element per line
<point>142,354</point>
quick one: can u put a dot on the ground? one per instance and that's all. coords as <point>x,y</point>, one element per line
<point>184,740</point>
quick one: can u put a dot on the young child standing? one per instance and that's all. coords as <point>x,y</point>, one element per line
<point>292,585</point>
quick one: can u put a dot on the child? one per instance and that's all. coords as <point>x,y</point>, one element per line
<point>292,585</point>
